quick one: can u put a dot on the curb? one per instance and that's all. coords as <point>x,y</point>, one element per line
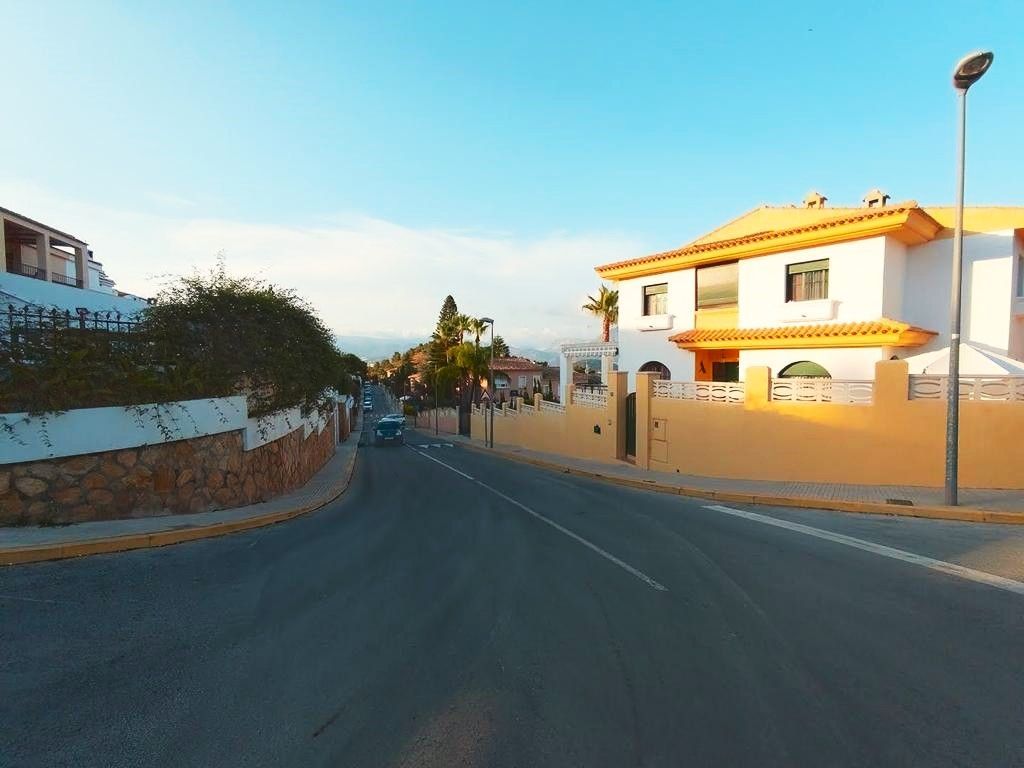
<point>43,552</point>
<point>962,514</point>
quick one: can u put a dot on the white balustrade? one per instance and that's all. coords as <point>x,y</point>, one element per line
<point>590,398</point>
<point>1007,388</point>
<point>553,407</point>
<point>823,390</point>
<point>704,391</point>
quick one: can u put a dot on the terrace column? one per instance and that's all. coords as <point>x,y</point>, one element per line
<point>43,256</point>
<point>607,362</point>
<point>565,379</point>
<point>82,265</point>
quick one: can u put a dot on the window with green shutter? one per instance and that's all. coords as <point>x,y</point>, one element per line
<point>718,285</point>
<point>807,281</point>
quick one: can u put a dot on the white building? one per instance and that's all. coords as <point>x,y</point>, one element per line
<point>65,278</point>
<point>820,291</point>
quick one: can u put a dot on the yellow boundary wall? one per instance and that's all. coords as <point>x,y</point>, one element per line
<point>891,441</point>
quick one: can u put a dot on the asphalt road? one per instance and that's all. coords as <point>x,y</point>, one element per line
<point>453,609</point>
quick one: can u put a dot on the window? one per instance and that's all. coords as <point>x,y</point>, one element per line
<point>653,366</point>
<point>805,369</point>
<point>718,286</point>
<point>807,281</point>
<point>522,382</point>
<point>656,299</point>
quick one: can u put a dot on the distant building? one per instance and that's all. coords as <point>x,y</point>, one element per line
<point>515,375</point>
<point>46,267</point>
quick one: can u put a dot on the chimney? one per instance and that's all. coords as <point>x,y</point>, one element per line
<point>875,198</point>
<point>815,200</point>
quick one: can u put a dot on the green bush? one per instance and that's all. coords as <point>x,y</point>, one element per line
<point>208,335</point>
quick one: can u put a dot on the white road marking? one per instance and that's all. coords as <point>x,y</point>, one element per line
<point>448,466</point>
<point>952,569</point>
<point>26,599</point>
<point>576,537</point>
<point>561,529</point>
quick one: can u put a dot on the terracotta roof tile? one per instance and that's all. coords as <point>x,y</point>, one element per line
<point>758,237</point>
<point>883,326</point>
<point>515,364</point>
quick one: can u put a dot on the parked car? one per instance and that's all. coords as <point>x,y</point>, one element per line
<point>399,417</point>
<point>389,431</point>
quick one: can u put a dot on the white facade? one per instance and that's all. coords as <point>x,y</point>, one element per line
<point>45,267</point>
<point>868,279</point>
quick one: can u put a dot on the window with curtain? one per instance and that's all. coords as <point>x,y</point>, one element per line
<point>807,281</point>
<point>718,285</point>
<point>656,299</point>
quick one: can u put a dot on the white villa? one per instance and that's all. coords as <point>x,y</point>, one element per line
<point>45,267</point>
<point>821,291</point>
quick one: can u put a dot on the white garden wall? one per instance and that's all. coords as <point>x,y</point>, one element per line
<point>92,430</point>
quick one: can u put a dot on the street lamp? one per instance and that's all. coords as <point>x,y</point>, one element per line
<point>490,375</point>
<point>967,72</point>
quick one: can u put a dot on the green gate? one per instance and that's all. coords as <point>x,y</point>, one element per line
<point>631,424</point>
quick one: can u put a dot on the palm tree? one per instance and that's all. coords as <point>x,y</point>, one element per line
<point>605,306</point>
<point>477,327</point>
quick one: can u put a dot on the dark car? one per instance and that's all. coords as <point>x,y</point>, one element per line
<point>389,431</point>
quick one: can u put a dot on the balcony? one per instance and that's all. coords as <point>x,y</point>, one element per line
<point>74,282</point>
<point>29,270</point>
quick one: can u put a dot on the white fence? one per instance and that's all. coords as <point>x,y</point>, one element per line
<point>590,398</point>
<point>553,407</point>
<point>705,391</point>
<point>823,390</point>
<point>1009,388</point>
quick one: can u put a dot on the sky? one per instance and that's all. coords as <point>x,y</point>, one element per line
<point>378,156</point>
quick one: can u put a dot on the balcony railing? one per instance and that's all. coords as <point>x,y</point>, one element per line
<point>74,282</point>
<point>29,270</point>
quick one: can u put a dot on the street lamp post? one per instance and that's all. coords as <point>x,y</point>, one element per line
<point>968,71</point>
<point>490,376</point>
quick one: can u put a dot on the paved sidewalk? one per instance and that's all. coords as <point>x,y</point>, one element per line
<point>981,504</point>
<point>33,544</point>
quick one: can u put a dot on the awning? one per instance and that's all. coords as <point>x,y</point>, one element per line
<point>974,361</point>
<point>871,333</point>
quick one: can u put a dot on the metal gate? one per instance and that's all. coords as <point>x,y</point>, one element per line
<point>631,424</point>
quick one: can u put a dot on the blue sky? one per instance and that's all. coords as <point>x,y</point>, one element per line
<point>539,136</point>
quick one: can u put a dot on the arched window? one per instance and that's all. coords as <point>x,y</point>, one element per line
<point>653,366</point>
<point>804,369</point>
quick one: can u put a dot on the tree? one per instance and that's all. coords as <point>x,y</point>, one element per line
<point>500,347</point>
<point>477,327</point>
<point>449,310</point>
<point>605,306</point>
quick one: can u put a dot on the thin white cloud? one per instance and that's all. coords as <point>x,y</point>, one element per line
<point>365,276</point>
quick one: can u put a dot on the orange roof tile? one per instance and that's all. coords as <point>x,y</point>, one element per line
<point>869,333</point>
<point>907,222</point>
<point>515,364</point>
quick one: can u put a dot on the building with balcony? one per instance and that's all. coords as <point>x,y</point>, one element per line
<point>814,291</point>
<point>46,267</point>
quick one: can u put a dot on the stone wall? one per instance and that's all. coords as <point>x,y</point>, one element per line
<point>195,475</point>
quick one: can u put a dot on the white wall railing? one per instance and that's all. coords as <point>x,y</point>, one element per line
<point>823,390</point>
<point>553,407</point>
<point>590,398</point>
<point>705,391</point>
<point>927,387</point>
